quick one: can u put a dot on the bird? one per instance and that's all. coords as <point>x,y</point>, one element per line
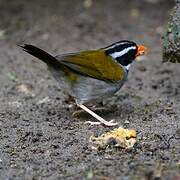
<point>91,75</point>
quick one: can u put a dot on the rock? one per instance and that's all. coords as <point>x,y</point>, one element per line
<point>171,39</point>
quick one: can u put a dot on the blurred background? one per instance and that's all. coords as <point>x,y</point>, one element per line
<point>73,25</point>
<point>39,137</point>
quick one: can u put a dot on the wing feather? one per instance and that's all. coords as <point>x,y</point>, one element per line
<point>95,64</point>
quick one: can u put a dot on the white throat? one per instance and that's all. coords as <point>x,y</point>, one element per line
<point>127,67</point>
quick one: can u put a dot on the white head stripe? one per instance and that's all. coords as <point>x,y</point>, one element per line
<point>117,44</point>
<point>121,53</point>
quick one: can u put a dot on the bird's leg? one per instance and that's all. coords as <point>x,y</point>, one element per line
<point>100,119</point>
<point>82,111</point>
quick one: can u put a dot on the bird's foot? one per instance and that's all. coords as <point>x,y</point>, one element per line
<point>78,113</point>
<point>106,123</point>
<point>96,116</point>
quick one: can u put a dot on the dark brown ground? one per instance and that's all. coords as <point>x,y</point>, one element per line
<point>39,139</point>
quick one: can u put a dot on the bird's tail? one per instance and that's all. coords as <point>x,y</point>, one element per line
<point>40,54</point>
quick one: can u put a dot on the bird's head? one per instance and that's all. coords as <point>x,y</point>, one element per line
<point>125,52</point>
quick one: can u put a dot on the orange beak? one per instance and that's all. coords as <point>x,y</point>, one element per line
<point>141,50</point>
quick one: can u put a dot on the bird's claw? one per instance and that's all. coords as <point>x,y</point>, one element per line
<point>92,123</point>
<point>107,123</point>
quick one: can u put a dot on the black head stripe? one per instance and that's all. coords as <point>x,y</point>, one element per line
<point>127,58</point>
<point>123,51</point>
<point>119,46</point>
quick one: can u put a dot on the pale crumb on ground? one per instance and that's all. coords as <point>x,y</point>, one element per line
<point>16,104</point>
<point>26,89</point>
<point>44,100</point>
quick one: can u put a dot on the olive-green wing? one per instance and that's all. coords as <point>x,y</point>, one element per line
<point>95,64</point>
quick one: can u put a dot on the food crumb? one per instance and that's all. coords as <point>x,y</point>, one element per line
<point>119,137</point>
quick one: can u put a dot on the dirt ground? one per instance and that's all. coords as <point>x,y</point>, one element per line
<point>39,138</point>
